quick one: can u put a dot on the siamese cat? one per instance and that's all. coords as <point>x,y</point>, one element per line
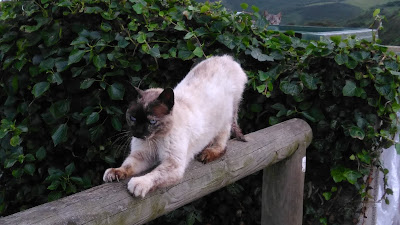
<point>170,127</point>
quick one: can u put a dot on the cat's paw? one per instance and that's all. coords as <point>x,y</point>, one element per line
<point>140,186</point>
<point>210,154</point>
<point>113,174</point>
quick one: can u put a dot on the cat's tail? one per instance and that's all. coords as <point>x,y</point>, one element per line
<point>238,132</point>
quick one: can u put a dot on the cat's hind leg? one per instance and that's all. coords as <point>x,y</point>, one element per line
<point>134,164</point>
<point>217,148</point>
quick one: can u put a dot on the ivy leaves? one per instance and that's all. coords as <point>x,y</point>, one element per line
<point>68,80</point>
<point>40,88</point>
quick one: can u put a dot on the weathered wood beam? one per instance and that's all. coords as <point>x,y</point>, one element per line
<point>111,203</point>
<point>282,190</point>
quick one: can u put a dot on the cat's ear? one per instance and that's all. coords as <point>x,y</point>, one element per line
<point>265,13</point>
<point>279,15</point>
<point>167,97</point>
<point>140,92</point>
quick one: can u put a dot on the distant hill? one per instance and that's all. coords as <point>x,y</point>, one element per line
<point>390,34</point>
<point>305,12</point>
<point>334,13</point>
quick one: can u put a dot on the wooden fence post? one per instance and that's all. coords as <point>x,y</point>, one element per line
<point>282,190</point>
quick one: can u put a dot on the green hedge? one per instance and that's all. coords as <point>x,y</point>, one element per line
<point>68,68</point>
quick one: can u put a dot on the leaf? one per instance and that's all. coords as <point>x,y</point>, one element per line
<point>105,27</point>
<point>60,134</point>
<point>77,180</point>
<point>29,169</point>
<point>397,145</point>
<point>349,89</point>
<point>96,132</point>
<point>351,64</point>
<point>47,64</point>
<point>17,173</point>
<point>141,38</point>
<point>273,120</point>
<point>70,169</point>
<point>341,59</point>
<point>227,40</point>
<point>290,88</point>
<point>116,123</point>
<point>15,141</point>
<point>155,52</point>
<point>54,185</point>
<point>257,54</point>
<point>185,54</point>
<point>204,8</point>
<point>61,65</point>
<point>198,51</point>
<point>244,6</point>
<point>336,39</point>
<point>41,153</point>
<point>327,195</point>
<point>116,91</point>
<point>352,176</point>
<point>309,81</point>
<point>54,195</point>
<point>337,174</point>
<point>261,88</point>
<point>75,56</point>
<point>52,36</point>
<point>188,35</point>
<point>85,84</point>
<point>255,8</point>
<point>99,61</point>
<point>180,26</point>
<point>8,163</point>
<point>80,40</point>
<point>60,108</point>
<point>122,43</point>
<point>40,88</point>
<point>92,118</point>
<point>386,91</point>
<point>138,7</point>
<point>190,218</point>
<point>356,132</point>
<point>376,12</point>
<point>95,10</point>
<point>29,158</point>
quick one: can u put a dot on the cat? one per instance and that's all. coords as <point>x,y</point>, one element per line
<point>170,127</point>
<point>273,19</point>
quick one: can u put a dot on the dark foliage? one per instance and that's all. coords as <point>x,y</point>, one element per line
<point>68,68</point>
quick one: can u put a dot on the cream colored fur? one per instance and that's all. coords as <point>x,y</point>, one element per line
<point>206,106</point>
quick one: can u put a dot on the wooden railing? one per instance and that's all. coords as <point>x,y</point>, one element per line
<point>267,149</point>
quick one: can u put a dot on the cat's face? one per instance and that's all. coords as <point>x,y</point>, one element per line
<point>273,19</point>
<point>148,117</point>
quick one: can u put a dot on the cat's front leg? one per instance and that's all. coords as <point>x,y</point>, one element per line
<point>134,164</point>
<point>169,172</point>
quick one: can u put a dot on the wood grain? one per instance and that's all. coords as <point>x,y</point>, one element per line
<point>111,203</point>
<point>282,190</point>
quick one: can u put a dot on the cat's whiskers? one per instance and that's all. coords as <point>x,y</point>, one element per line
<point>122,141</point>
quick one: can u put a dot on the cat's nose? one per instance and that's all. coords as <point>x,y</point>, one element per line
<point>139,132</point>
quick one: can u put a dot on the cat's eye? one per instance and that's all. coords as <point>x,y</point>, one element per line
<point>132,118</point>
<point>152,121</point>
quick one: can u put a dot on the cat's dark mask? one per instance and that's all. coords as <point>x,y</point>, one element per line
<point>146,117</point>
